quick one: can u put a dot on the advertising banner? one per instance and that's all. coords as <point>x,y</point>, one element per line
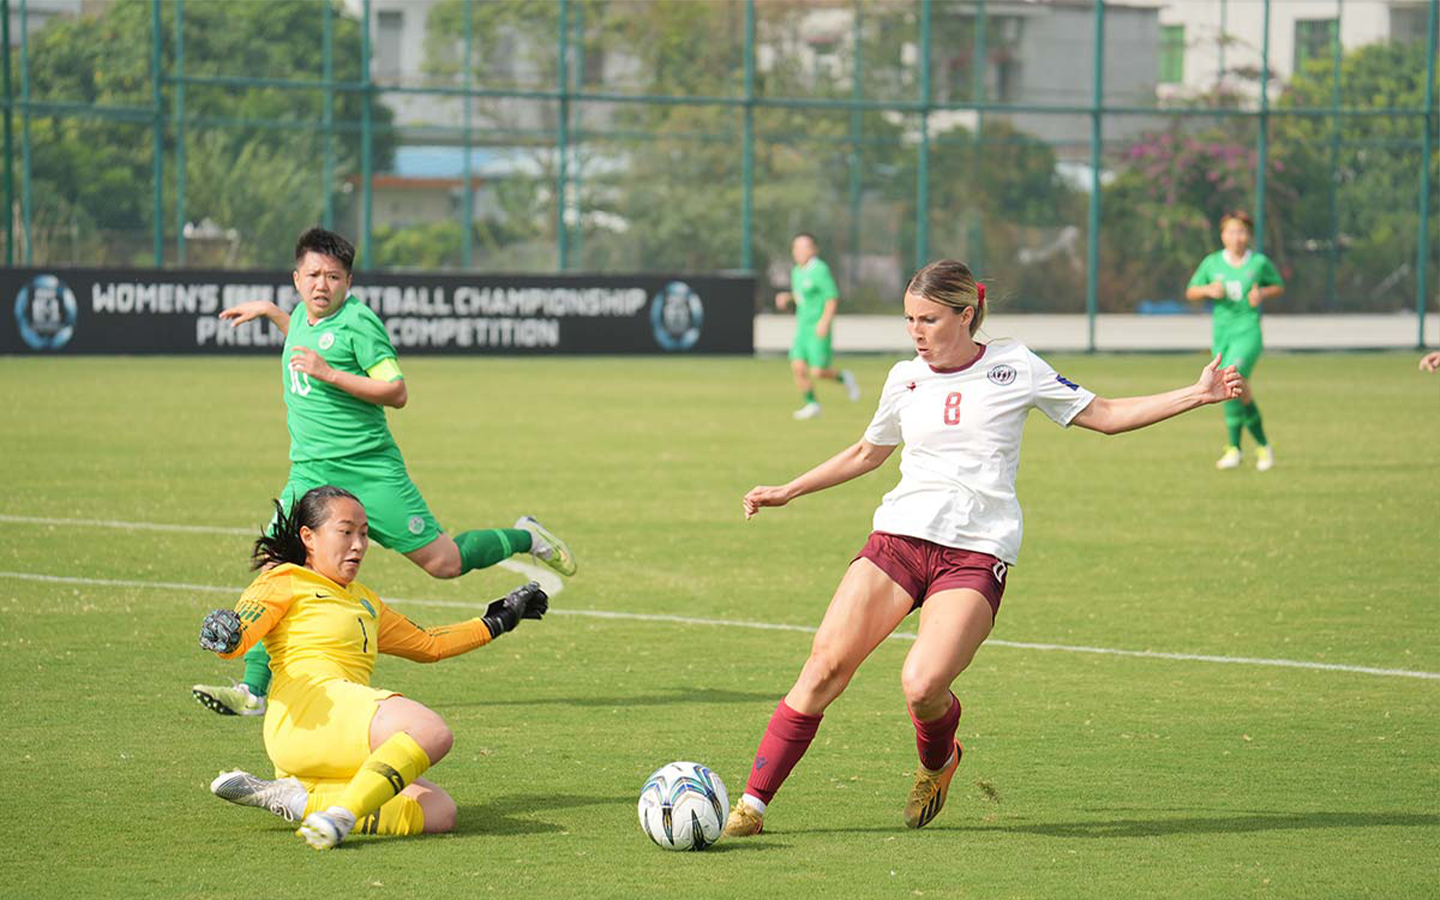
<point>58,311</point>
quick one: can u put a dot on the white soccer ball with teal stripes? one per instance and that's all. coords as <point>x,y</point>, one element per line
<point>683,806</point>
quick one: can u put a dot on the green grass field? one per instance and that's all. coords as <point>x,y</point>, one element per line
<point>1085,775</point>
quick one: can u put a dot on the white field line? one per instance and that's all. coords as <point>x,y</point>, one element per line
<point>551,582</point>
<point>770,626</point>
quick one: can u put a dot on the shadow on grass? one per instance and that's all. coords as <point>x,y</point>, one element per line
<point>513,814</point>
<point>1181,825</point>
<point>680,695</point>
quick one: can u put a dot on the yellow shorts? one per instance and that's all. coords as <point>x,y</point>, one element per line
<point>319,728</point>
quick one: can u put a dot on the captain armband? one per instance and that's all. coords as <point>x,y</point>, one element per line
<point>385,370</point>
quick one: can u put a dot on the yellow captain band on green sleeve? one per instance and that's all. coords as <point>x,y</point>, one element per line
<point>385,370</point>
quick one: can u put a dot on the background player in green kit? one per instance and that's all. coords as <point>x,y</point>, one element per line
<point>340,371</point>
<point>1239,281</point>
<point>813,291</point>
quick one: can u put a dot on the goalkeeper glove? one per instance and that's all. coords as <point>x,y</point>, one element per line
<point>220,631</point>
<point>525,602</point>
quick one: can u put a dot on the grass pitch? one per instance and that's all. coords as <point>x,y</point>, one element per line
<point>1085,775</point>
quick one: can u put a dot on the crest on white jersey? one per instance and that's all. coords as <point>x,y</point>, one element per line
<point>1001,374</point>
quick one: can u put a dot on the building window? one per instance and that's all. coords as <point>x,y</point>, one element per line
<point>1407,23</point>
<point>388,27</point>
<point>1172,54</point>
<point>1314,39</point>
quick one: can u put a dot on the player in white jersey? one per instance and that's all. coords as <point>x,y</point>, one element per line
<point>946,535</point>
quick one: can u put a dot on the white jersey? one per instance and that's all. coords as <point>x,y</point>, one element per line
<point>961,429</point>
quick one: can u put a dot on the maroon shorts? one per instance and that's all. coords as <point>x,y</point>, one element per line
<point>922,567</point>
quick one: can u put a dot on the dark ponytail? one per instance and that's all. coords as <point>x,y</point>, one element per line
<point>281,542</point>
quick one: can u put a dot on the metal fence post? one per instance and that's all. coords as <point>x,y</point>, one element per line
<point>467,212</point>
<point>9,137</point>
<point>976,251</point>
<point>562,135</point>
<point>179,88</point>
<point>857,91</point>
<point>577,239</point>
<point>157,143</point>
<point>327,50</point>
<point>1092,241</point>
<point>747,152</point>
<point>25,168</point>
<point>1422,249</point>
<point>1332,257</point>
<point>1262,150</point>
<point>922,174</point>
<point>367,138</point>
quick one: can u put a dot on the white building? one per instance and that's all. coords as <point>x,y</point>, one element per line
<point>1207,44</point>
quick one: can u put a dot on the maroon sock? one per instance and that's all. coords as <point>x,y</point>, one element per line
<point>936,738</point>
<point>786,739</point>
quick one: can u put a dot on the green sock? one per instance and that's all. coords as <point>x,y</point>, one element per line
<point>487,546</point>
<point>257,670</point>
<point>1252,422</point>
<point>1234,420</point>
<point>810,396</point>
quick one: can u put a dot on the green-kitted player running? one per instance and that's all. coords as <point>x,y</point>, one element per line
<point>340,371</point>
<point>1239,281</point>
<point>813,290</point>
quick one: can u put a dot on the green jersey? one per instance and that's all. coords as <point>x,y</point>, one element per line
<point>812,286</point>
<point>324,421</point>
<point>1233,311</point>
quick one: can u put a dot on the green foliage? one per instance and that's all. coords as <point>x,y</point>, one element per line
<point>1161,213</point>
<point>253,154</point>
<point>660,185</point>
<point>433,246</point>
<point>1376,176</point>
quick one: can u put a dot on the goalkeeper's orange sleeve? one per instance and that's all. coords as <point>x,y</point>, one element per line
<point>264,603</point>
<point>401,637</point>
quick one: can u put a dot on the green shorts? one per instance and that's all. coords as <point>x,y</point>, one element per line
<point>1241,349</point>
<point>399,517</point>
<point>814,350</point>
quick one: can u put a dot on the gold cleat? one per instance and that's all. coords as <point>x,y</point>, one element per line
<point>928,795</point>
<point>744,820</point>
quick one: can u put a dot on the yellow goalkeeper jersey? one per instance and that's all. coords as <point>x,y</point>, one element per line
<point>314,628</point>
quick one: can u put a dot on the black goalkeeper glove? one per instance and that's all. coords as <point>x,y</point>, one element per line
<point>526,602</point>
<point>220,631</point>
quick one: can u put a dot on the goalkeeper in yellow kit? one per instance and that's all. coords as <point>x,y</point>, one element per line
<point>347,756</point>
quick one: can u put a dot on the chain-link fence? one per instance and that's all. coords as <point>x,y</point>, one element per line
<point>1076,153</point>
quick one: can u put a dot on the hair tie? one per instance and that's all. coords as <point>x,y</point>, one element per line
<point>980,289</point>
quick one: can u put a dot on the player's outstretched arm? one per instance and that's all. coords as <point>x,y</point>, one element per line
<point>1129,413</point>
<point>254,309</point>
<point>852,462</point>
<point>401,637</point>
<point>1430,362</point>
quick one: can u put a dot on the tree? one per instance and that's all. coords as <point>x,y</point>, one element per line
<point>1375,177</point>
<point>261,176</point>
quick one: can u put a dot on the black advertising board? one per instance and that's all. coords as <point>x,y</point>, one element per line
<point>60,311</point>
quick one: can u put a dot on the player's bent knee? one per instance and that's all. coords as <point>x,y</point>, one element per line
<point>924,689</point>
<point>440,811</point>
<point>825,673</point>
<point>433,736</point>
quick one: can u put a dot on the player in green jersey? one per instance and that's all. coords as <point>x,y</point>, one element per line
<point>813,291</point>
<point>339,373</point>
<point>1239,281</point>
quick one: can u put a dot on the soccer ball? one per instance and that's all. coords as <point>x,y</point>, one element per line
<point>683,806</point>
